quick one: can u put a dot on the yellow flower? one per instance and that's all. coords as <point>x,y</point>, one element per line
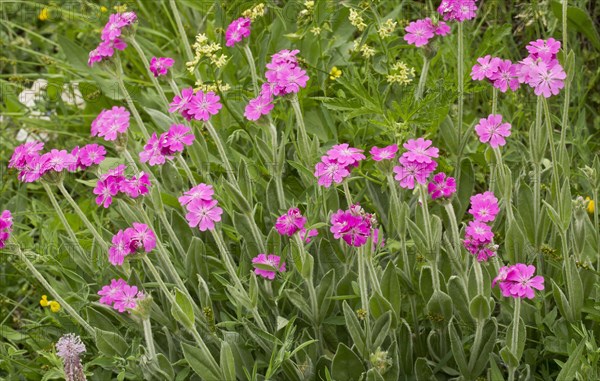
<point>120,8</point>
<point>44,301</point>
<point>54,306</point>
<point>591,206</point>
<point>103,9</point>
<point>335,73</point>
<point>43,16</point>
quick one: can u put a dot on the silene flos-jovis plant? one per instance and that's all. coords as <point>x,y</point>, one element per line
<point>315,225</point>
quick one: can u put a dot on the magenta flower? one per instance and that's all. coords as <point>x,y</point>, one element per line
<point>111,122</point>
<point>485,67</point>
<point>136,186</point>
<point>547,81</point>
<point>418,33</point>
<point>291,222</point>
<point>441,186</point>
<point>410,171</point>
<point>199,192</point>
<point>112,29</point>
<point>110,292</point>
<point>161,65</point>
<point>285,56</point>
<point>479,231</point>
<point>544,49</point>
<point>345,155</point>
<point>525,68</point>
<point>127,298</point>
<point>270,260</point>
<point>284,76</point>
<point>179,136</point>
<point>152,153</point>
<point>140,236</point>
<point>180,102</point>
<point>57,160</point>
<point>261,105</point>
<point>484,206</point>
<point>106,190</point>
<point>306,236</point>
<point>202,105</point>
<point>120,248</point>
<point>441,29</point>
<point>105,50</point>
<point>6,223</point>
<point>329,171</point>
<point>90,154</point>
<point>385,153</point>
<point>237,31</point>
<point>354,226</point>
<point>34,168</point>
<point>203,214</point>
<point>24,153</point>
<point>505,76</point>
<point>420,151</point>
<point>517,281</point>
<point>457,10</point>
<point>492,130</point>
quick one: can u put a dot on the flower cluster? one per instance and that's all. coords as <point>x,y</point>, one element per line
<point>255,12</point>
<point>492,130</point>
<point>120,296</point>
<point>6,223</point>
<point>356,20</point>
<point>457,10</point>
<point>111,34</point>
<point>478,234</point>
<point>418,33</point>
<point>385,153</point>
<point>355,226</point>
<point>69,347</point>
<point>160,148</point>
<point>417,163</point>
<point>237,31</point>
<point>32,165</point>
<point>401,73</point>
<point>114,182</point>
<point>284,76</point>
<point>129,241</point>
<point>196,105</point>
<point>161,65</point>
<point>109,123</point>
<point>53,304</point>
<point>267,265</point>
<point>294,222</point>
<point>517,281</point>
<point>202,209</point>
<point>203,48</point>
<point>540,70</point>
<point>441,186</point>
<point>336,165</point>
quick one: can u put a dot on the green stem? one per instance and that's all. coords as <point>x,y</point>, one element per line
<point>54,293</point>
<point>149,339</point>
<point>362,280</point>
<point>422,79</point>
<point>515,335</point>
<point>494,99</point>
<point>82,216</point>
<point>347,193</point>
<point>250,59</point>
<point>537,171</point>
<point>567,91</point>
<point>455,237</point>
<point>478,276</point>
<point>221,149</point>
<point>183,36</point>
<point>154,80</point>
<point>429,237</point>
<point>304,140</point>
<point>461,85</point>
<point>129,100</point>
<point>277,169</point>
<point>187,170</point>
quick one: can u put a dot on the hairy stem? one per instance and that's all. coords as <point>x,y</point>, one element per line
<point>304,140</point>
<point>250,59</point>
<point>149,339</point>
<point>422,79</point>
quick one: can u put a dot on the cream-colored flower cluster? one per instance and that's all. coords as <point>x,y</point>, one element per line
<point>400,73</point>
<point>214,87</point>
<point>365,49</point>
<point>203,48</point>
<point>255,12</point>
<point>356,20</point>
<point>387,28</point>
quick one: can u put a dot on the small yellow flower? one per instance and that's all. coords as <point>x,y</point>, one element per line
<point>591,206</point>
<point>43,16</point>
<point>120,8</point>
<point>103,9</point>
<point>315,30</point>
<point>335,73</point>
<point>54,306</point>
<point>44,301</point>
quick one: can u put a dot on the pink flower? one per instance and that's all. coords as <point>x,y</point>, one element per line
<point>485,67</point>
<point>505,76</point>
<point>203,214</point>
<point>237,30</point>
<point>120,248</point>
<point>140,236</point>
<point>441,29</point>
<point>285,56</point>
<point>261,105</point>
<point>441,186</point>
<point>199,192</point>
<point>56,160</point>
<point>418,33</point>
<point>457,10</point>
<point>492,130</point>
<point>517,281</point>
<point>110,292</point>
<point>306,236</point>
<point>152,153</point>
<point>112,29</point>
<point>202,105</point>
<point>479,231</point>
<point>544,49</point>
<point>105,50</point>
<point>270,260</point>
<point>354,226</point>
<point>410,171</point>
<point>6,223</point>
<point>292,79</point>
<point>329,170</point>
<point>420,151</point>
<point>180,102</point>
<point>385,153</point>
<point>90,154</point>
<point>178,136</point>
<point>291,222</point>
<point>111,122</point>
<point>34,168</point>
<point>24,153</point>
<point>484,206</point>
<point>161,65</point>
<point>106,190</point>
<point>136,186</point>
<point>284,76</point>
<point>127,298</point>
<point>524,69</point>
<point>345,155</point>
<point>547,81</point>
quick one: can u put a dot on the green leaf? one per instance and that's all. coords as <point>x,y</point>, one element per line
<point>573,364</point>
<point>373,375</point>
<point>355,329</point>
<point>390,288</point>
<point>440,303</point>
<point>521,337</point>
<point>457,349</point>
<point>478,360</point>
<point>346,365</point>
<point>111,344</point>
<point>227,362</point>
<point>183,311</point>
<point>381,329</point>
<point>457,292</point>
<point>580,20</point>
<point>324,291</point>
<point>479,307</point>
<point>161,120</point>
<point>201,362</point>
